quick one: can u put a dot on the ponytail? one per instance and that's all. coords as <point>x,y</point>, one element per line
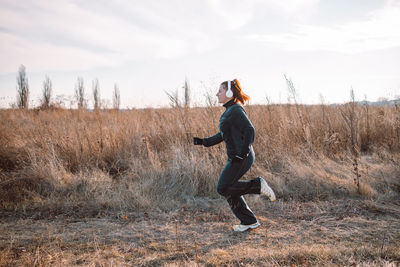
<point>238,94</point>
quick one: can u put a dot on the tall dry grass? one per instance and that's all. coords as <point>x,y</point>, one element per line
<point>145,158</point>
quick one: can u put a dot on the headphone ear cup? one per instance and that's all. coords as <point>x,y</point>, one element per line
<point>229,92</point>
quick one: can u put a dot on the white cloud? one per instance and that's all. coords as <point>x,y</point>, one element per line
<point>295,8</point>
<point>379,31</point>
<point>79,35</point>
<point>236,13</point>
<point>82,38</point>
<point>42,56</point>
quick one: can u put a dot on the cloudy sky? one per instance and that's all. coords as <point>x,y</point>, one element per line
<point>148,47</point>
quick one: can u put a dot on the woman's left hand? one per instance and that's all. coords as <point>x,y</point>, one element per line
<point>197,141</point>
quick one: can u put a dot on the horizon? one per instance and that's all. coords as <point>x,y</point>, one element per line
<point>377,102</point>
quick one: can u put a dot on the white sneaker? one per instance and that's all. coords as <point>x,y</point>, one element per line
<point>242,228</point>
<point>266,190</point>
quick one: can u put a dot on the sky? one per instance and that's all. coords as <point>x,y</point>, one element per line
<point>150,47</point>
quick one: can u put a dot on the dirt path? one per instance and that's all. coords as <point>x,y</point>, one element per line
<point>342,232</point>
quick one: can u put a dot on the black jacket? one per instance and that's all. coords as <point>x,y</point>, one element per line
<point>235,129</point>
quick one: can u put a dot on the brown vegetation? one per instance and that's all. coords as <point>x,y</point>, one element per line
<point>143,158</point>
<point>61,161</point>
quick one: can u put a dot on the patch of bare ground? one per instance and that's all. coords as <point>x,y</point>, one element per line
<point>346,232</point>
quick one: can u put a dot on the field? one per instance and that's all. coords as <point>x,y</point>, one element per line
<point>112,188</point>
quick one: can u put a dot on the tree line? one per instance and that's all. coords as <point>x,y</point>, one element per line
<point>47,93</point>
<point>175,100</point>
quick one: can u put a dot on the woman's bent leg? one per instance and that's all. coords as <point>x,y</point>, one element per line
<point>229,184</point>
<point>232,189</point>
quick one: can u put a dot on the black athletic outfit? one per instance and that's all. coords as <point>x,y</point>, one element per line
<point>237,131</point>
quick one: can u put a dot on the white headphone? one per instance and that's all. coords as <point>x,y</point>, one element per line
<point>229,92</point>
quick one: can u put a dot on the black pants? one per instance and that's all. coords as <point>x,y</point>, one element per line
<point>233,190</point>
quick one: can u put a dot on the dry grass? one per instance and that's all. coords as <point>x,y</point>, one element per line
<point>143,158</point>
<point>87,164</point>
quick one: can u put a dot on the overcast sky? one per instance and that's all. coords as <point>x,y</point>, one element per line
<point>148,47</point>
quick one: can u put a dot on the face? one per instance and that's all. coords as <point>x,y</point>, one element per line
<point>222,96</point>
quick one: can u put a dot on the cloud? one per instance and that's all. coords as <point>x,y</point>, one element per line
<point>378,31</point>
<point>85,37</point>
<point>294,8</point>
<point>70,35</point>
<point>237,13</point>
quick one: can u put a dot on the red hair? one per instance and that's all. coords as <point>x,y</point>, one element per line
<point>238,94</point>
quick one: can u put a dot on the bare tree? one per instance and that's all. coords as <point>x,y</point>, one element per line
<point>187,93</point>
<point>174,99</point>
<point>47,92</point>
<point>96,93</point>
<point>22,88</point>
<point>116,97</point>
<point>80,93</point>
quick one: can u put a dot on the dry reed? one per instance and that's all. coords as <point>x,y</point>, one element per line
<point>144,158</point>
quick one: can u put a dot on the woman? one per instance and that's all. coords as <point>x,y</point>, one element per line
<point>238,133</point>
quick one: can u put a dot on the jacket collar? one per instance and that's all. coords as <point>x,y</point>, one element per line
<point>229,103</point>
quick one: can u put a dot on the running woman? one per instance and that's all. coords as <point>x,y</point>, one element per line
<point>236,130</point>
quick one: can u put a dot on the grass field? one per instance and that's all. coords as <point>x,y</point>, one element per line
<point>109,188</point>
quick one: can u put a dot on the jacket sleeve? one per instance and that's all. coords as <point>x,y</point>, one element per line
<point>243,124</point>
<point>212,140</point>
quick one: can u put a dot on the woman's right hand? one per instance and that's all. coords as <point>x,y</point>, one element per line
<point>237,158</point>
<point>197,141</point>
